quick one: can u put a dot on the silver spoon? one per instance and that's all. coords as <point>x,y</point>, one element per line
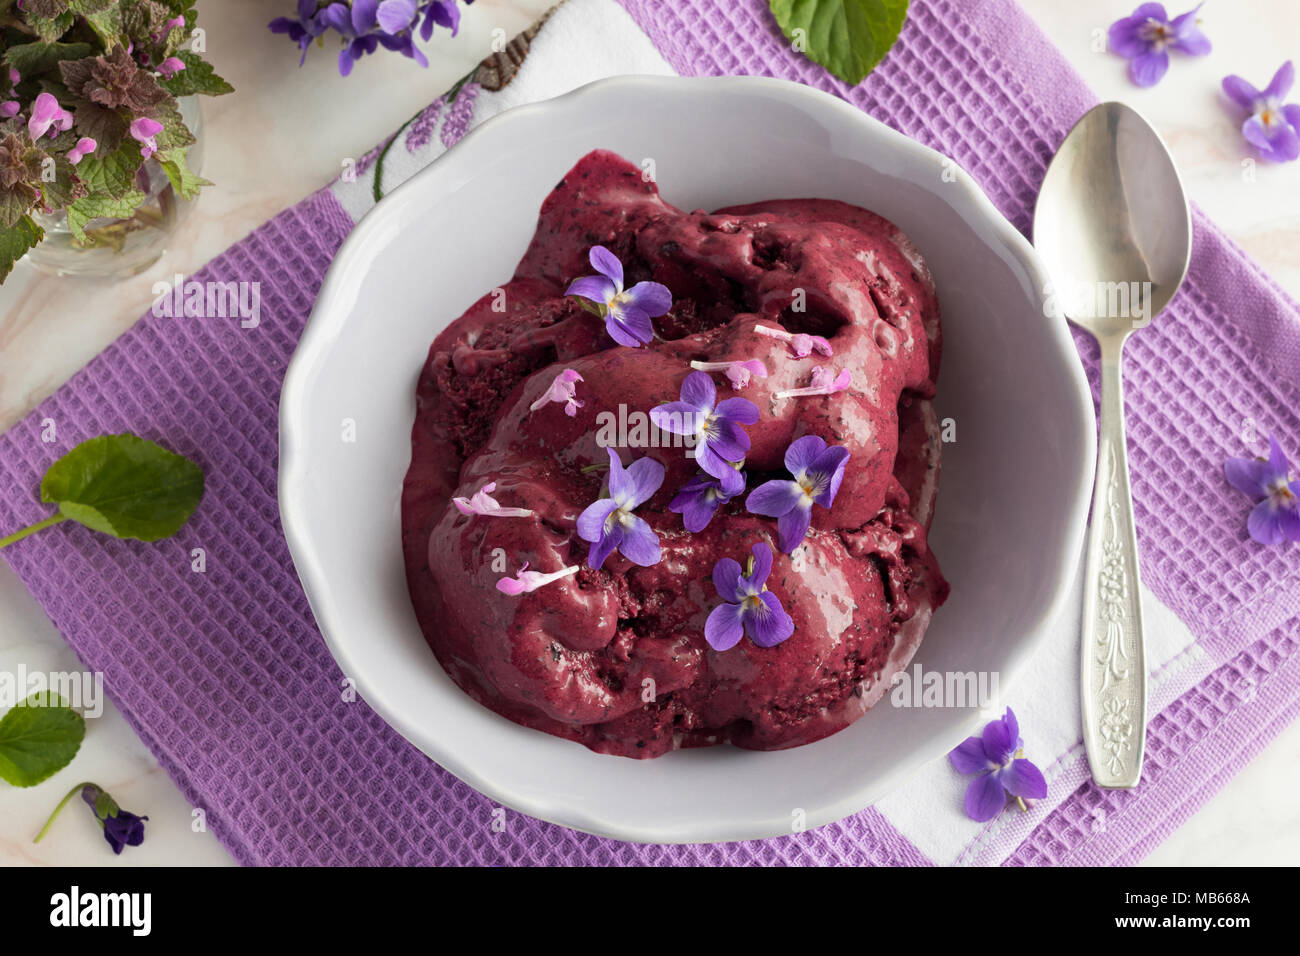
<point>1114,229</point>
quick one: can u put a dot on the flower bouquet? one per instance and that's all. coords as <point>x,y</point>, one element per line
<point>93,132</point>
<point>363,26</point>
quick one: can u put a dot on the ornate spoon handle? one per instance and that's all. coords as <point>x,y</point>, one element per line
<point>1113,656</point>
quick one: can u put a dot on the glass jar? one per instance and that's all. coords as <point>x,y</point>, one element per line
<point>123,247</point>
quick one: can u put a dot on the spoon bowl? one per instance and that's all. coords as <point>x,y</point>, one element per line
<point>1112,222</point>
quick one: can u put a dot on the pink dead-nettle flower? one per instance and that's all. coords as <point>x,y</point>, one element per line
<point>824,382</point>
<point>9,108</point>
<point>482,503</point>
<point>84,146</point>
<point>14,76</point>
<point>171,66</point>
<point>802,344</point>
<point>563,389</point>
<point>738,372</point>
<point>143,131</point>
<point>168,27</point>
<point>526,580</point>
<point>47,114</point>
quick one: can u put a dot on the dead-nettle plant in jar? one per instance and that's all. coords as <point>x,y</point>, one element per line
<point>98,116</point>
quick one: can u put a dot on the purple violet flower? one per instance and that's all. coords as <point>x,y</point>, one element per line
<point>444,13</point>
<point>394,16</point>
<point>1146,37</point>
<point>563,389</point>
<point>482,503</point>
<point>738,372</point>
<point>1273,129</point>
<point>719,441</point>
<point>121,827</point>
<point>355,50</point>
<point>305,27</point>
<point>818,469</point>
<point>800,343</point>
<point>627,313</point>
<point>367,25</point>
<point>1277,517</point>
<point>608,523</point>
<point>525,580</point>
<point>698,499</point>
<point>999,760</point>
<point>824,381</point>
<point>749,607</point>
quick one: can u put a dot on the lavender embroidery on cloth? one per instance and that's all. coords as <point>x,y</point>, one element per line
<point>421,132</point>
<point>458,117</point>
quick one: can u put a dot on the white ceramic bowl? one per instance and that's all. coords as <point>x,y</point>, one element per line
<point>1013,496</point>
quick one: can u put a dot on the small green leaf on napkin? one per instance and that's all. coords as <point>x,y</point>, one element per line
<point>848,37</point>
<point>38,738</point>
<point>125,486</point>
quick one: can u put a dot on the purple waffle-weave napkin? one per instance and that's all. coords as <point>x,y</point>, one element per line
<point>226,679</point>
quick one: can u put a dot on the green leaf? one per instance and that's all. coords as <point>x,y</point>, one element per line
<point>107,24</point>
<point>848,37</point>
<point>183,180</point>
<point>14,204</point>
<point>32,59</point>
<point>88,208</point>
<point>89,7</point>
<point>175,133</point>
<point>111,174</point>
<point>38,738</point>
<point>15,242</point>
<point>50,29</point>
<point>105,126</point>
<point>62,189</point>
<point>125,486</point>
<point>198,77</point>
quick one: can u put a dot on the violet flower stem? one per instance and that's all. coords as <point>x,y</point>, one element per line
<point>59,809</point>
<point>32,529</point>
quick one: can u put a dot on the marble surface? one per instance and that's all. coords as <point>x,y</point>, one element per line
<point>287,131</point>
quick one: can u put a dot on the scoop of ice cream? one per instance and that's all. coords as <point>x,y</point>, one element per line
<point>616,657</point>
